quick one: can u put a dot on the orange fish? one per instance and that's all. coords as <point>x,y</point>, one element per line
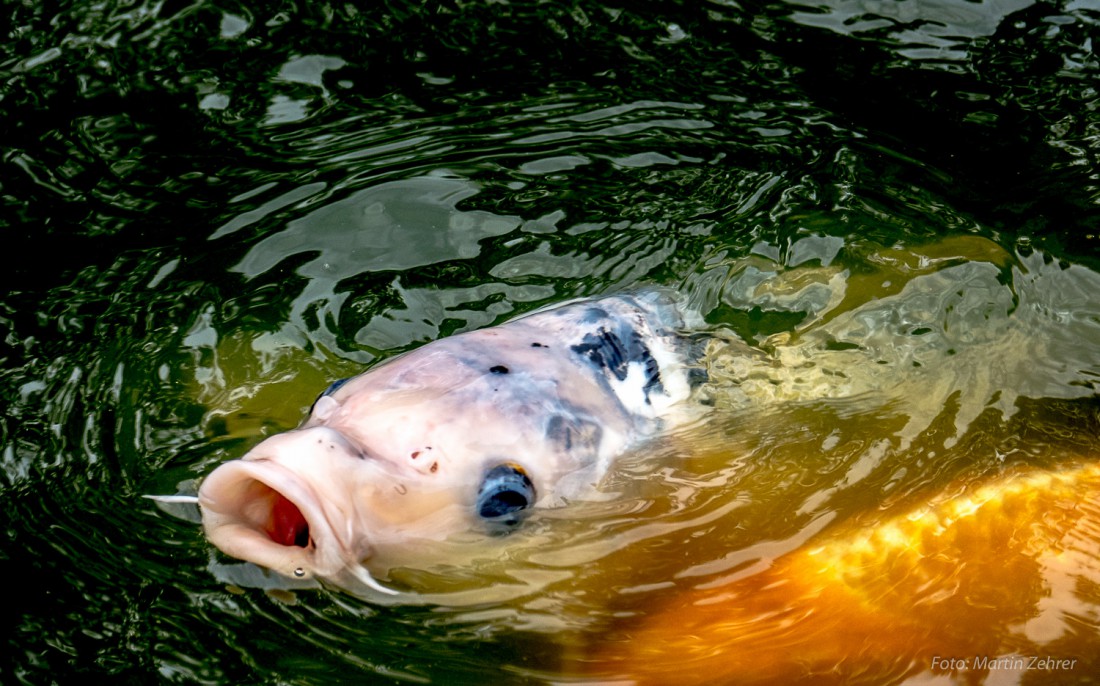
<point>991,578</point>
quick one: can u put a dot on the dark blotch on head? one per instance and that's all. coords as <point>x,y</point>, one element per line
<point>537,345</point>
<point>573,433</point>
<point>499,369</point>
<point>608,350</point>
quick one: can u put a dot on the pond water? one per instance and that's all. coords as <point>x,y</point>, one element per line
<point>884,214</point>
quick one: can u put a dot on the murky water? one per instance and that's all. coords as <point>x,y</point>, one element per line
<point>885,215</point>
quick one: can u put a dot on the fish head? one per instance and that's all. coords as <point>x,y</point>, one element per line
<point>462,436</point>
<point>386,464</point>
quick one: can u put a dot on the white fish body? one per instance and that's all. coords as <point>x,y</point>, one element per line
<point>464,433</point>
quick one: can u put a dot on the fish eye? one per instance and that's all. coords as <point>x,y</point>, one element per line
<point>505,491</point>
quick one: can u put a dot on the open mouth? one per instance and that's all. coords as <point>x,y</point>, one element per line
<point>287,525</point>
<point>263,513</point>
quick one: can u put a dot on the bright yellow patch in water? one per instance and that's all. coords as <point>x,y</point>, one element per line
<point>947,589</point>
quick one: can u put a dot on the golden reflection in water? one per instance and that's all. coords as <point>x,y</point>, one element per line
<point>999,578</point>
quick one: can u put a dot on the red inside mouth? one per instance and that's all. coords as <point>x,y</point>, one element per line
<point>287,525</point>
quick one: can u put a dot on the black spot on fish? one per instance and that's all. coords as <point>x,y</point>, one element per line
<point>499,369</point>
<point>606,349</point>
<point>537,345</point>
<point>573,434</point>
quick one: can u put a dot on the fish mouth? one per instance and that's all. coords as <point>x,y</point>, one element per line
<point>261,512</point>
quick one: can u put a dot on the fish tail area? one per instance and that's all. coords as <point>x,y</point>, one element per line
<point>979,573</point>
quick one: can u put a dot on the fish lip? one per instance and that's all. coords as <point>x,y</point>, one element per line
<point>299,492</point>
<point>327,556</point>
<point>223,501</point>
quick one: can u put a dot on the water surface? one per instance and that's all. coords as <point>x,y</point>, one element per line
<point>886,213</point>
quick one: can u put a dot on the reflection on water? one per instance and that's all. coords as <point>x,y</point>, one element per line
<point>953,322</point>
<point>884,215</point>
<point>923,30</point>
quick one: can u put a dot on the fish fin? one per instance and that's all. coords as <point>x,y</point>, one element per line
<point>364,576</point>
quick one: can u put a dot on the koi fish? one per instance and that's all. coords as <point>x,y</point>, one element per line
<point>465,433</point>
<point>962,585</point>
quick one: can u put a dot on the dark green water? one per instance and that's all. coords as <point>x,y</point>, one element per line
<point>206,203</point>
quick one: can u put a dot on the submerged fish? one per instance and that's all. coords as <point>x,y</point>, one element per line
<point>464,433</point>
<point>975,581</point>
